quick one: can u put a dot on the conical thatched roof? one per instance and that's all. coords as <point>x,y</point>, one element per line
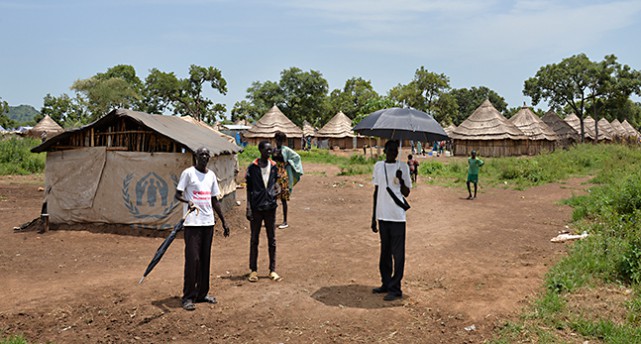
<point>561,128</point>
<point>487,123</point>
<point>46,125</point>
<point>574,121</point>
<point>449,129</point>
<point>271,122</point>
<point>590,124</point>
<point>619,129</point>
<point>630,129</point>
<point>308,130</point>
<point>606,128</point>
<point>532,126</point>
<point>339,126</point>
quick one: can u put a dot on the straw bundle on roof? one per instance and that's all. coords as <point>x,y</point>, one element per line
<point>489,133</point>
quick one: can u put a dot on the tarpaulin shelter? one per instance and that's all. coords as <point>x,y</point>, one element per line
<point>124,168</point>
<point>267,126</point>
<point>489,133</point>
<point>541,138</point>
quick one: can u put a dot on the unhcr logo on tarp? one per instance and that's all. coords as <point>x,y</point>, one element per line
<point>150,196</point>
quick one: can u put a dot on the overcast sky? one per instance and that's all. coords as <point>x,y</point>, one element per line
<point>46,45</point>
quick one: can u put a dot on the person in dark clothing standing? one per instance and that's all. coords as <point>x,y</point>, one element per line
<point>391,179</point>
<point>198,188</point>
<point>262,189</point>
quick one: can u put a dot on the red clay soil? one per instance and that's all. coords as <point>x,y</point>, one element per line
<point>468,263</point>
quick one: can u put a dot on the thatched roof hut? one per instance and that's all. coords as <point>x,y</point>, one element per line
<point>449,129</point>
<point>45,129</point>
<point>489,133</point>
<point>633,134</point>
<point>308,129</point>
<point>574,121</point>
<point>541,138</point>
<point>621,133</point>
<point>271,122</point>
<point>590,123</point>
<point>605,128</point>
<point>566,135</point>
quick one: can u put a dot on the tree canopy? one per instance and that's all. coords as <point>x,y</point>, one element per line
<point>577,82</point>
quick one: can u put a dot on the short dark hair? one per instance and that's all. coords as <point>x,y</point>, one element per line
<point>280,136</point>
<point>410,156</point>
<point>389,143</point>
<point>262,144</point>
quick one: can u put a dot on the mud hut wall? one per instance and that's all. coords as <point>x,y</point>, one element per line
<point>95,185</point>
<point>490,148</point>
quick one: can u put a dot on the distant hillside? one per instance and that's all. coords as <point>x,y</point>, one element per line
<point>23,114</point>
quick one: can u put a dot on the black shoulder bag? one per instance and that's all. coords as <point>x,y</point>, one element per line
<point>403,204</point>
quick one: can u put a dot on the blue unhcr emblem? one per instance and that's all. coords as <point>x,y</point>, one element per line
<point>151,192</point>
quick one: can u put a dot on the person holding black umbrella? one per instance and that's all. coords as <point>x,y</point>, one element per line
<point>393,177</point>
<point>198,188</point>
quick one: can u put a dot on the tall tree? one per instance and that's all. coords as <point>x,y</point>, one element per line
<point>118,87</point>
<point>164,91</point>
<point>566,83</point>
<point>470,99</point>
<point>423,93</point>
<point>5,121</point>
<point>68,112</point>
<point>352,98</point>
<point>305,96</point>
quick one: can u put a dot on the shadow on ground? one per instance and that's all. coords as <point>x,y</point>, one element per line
<point>353,296</point>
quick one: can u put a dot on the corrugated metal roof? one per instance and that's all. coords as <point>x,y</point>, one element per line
<point>188,134</point>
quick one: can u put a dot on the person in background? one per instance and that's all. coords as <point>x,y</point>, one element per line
<point>474,164</point>
<point>413,164</point>
<point>198,188</point>
<point>391,177</point>
<point>262,188</point>
<point>293,166</point>
<point>283,181</point>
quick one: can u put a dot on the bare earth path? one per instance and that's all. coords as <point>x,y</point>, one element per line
<point>468,263</point>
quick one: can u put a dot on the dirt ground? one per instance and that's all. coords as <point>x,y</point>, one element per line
<point>469,264</point>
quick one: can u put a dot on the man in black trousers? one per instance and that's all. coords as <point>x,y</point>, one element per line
<point>392,182</point>
<point>198,188</point>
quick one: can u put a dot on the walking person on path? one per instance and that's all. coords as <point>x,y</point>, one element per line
<point>474,164</point>
<point>262,189</point>
<point>293,167</point>
<point>198,188</point>
<point>391,179</point>
<point>413,164</point>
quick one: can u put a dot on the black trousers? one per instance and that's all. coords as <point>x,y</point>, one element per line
<point>198,241</point>
<point>269,218</point>
<point>392,261</point>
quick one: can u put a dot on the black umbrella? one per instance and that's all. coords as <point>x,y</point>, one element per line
<point>401,124</point>
<point>165,245</point>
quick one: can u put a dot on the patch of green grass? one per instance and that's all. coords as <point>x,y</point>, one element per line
<point>611,255</point>
<point>14,339</point>
<point>16,157</point>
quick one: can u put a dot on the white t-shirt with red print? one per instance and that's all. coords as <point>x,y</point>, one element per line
<point>199,188</point>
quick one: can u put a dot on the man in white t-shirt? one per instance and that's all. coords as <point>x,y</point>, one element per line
<point>198,188</point>
<point>391,176</point>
